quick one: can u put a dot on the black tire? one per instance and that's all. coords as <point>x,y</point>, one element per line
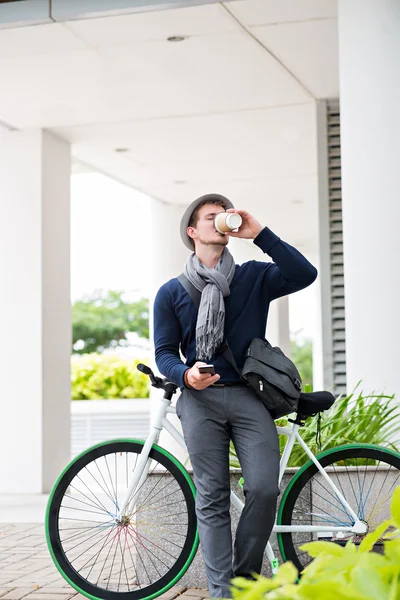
<point>298,506</point>
<point>135,537</point>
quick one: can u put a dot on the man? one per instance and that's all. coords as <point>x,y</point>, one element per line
<point>216,408</point>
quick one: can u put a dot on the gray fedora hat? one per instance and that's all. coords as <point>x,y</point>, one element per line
<point>190,210</point>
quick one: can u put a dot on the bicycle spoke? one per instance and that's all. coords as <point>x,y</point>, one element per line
<point>105,561</point>
<point>112,483</point>
<point>381,489</point>
<point>82,531</point>
<point>81,501</point>
<point>341,508</point>
<point>95,504</point>
<point>116,481</point>
<point>97,553</point>
<point>123,563</point>
<point>149,553</point>
<point>155,485</point>
<point>83,520</point>
<point>164,497</point>
<point>68,550</point>
<point>105,483</point>
<point>101,504</point>
<point>138,553</point>
<point>130,552</point>
<point>151,542</point>
<point>105,490</point>
<point>95,512</point>
<point>116,547</point>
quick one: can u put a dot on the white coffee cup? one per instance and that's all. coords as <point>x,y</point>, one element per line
<point>224,222</point>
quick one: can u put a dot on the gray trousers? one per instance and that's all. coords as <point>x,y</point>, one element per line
<point>210,418</point>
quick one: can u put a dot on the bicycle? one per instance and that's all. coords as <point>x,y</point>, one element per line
<point>121,522</point>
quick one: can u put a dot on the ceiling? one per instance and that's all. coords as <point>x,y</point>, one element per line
<point>231,108</point>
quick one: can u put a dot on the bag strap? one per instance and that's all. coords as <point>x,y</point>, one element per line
<point>193,292</point>
<point>195,295</point>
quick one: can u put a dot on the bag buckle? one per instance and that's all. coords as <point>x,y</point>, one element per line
<point>297,384</point>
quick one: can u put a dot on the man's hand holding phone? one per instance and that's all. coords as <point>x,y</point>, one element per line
<point>200,376</point>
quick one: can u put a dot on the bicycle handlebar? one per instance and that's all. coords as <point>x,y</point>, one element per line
<point>157,382</point>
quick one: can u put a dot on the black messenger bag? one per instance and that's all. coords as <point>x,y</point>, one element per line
<point>272,375</point>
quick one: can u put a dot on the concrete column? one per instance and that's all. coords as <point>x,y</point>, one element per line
<point>278,332</point>
<point>35,310</point>
<point>369,42</point>
<point>168,260</point>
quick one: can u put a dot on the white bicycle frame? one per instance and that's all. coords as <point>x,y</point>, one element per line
<point>160,422</point>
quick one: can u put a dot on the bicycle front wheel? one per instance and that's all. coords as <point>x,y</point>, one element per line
<point>140,555</point>
<point>365,475</point>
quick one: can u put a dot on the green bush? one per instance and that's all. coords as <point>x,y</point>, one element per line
<point>364,419</point>
<point>337,573</point>
<point>372,419</point>
<point>303,359</point>
<point>104,376</point>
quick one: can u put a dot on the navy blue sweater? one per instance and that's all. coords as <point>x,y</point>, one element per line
<point>254,285</point>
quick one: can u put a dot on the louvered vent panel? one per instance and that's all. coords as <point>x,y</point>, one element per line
<point>336,249</point>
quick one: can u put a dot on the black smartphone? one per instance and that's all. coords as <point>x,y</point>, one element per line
<point>207,369</point>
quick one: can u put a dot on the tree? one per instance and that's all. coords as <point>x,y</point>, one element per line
<point>102,321</point>
<point>302,358</point>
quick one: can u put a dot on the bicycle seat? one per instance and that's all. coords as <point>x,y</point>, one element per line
<point>315,402</point>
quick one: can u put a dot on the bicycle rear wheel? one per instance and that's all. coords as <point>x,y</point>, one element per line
<point>140,556</point>
<point>365,475</point>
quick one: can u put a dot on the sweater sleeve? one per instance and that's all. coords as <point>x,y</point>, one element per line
<point>290,271</point>
<point>167,337</point>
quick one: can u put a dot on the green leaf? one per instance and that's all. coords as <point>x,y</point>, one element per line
<point>315,568</point>
<point>372,561</point>
<point>350,548</point>
<point>246,589</point>
<point>370,583</point>
<point>370,539</point>
<point>316,548</point>
<point>392,551</point>
<point>394,588</point>
<point>395,506</point>
<point>335,589</point>
<point>287,573</point>
<point>287,592</point>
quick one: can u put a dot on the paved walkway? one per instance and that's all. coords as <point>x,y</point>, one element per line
<point>27,571</point>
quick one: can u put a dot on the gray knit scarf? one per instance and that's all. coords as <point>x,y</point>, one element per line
<point>214,287</point>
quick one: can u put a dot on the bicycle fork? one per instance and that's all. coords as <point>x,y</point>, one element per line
<point>143,464</point>
<point>139,476</point>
